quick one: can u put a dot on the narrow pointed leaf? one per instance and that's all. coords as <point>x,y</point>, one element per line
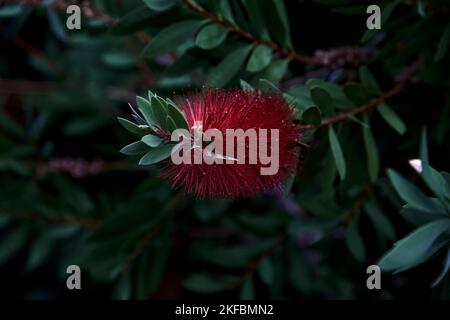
<point>151,140</point>
<point>157,154</point>
<point>416,247</point>
<point>337,153</point>
<point>130,126</point>
<point>392,118</point>
<point>173,37</point>
<point>146,110</point>
<point>135,148</point>
<point>411,194</point>
<point>228,67</point>
<point>373,162</point>
<point>260,58</point>
<point>211,36</point>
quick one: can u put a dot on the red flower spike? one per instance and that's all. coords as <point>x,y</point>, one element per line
<point>237,109</point>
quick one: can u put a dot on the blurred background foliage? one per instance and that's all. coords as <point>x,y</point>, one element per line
<point>67,196</point>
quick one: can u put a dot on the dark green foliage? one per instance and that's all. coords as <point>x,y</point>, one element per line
<point>71,191</point>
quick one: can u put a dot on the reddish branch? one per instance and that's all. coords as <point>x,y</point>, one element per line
<point>358,204</point>
<point>361,109</point>
<point>290,54</point>
<point>26,86</point>
<point>35,52</point>
<point>85,223</point>
<point>408,75</point>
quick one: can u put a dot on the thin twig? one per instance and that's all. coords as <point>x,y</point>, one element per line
<point>85,223</point>
<point>27,86</point>
<point>290,54</point>
<point>402,79</point>
<point>361,109</point>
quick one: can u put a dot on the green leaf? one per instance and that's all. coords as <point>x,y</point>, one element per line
<point>135,148</point>
<point>275,71</point>
<point>260,58</point>
<point>265,271</point>
<point>83,125</point>
<point>254,11</point>
<point>312,116</point>
<point>228,67</point>
<point>8,11</point>
<point>337,152</point>
<point>160,5</point>
<point>171,125</point>
<point>121,223</point>
<point>421,8</point>
<point>11,243</point>
<point>146,110</point>
<point>323,100</point>
<point>123,288</point>
<point>136,116</point>
<point>39,252</point>
<point>356,93</point>
<point>151,140</point>
<point>177,115</point>
<point>159,111</point>
<point>369,81</point>
<point>392,118</point>
<point>418,217</point>
<point>246,86</point>
<point>444,270</point>
<point>171,38</point>
<point>268,86</point>
<point>118,59</point>
<point>302,95</point>
<point>130,126</point>
<point>56,25</point>
<point>354,241</point>
<point>157,154</point>
<point>379,220</point>
<point>278,21</point>
<point>299,273</point>
<point>207,283</point>
<point>247,290</point>
<point>225,10</point>
<point>151,269</point>
<point>415,248</point>
<point>211,36</point>
<point>434,180</point>
<point>411,194</point>
<point>373,161</point>
<point>443,44</point>
<point>10,125</point>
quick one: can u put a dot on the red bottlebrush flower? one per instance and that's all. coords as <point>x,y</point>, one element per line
<point>237,109</point>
